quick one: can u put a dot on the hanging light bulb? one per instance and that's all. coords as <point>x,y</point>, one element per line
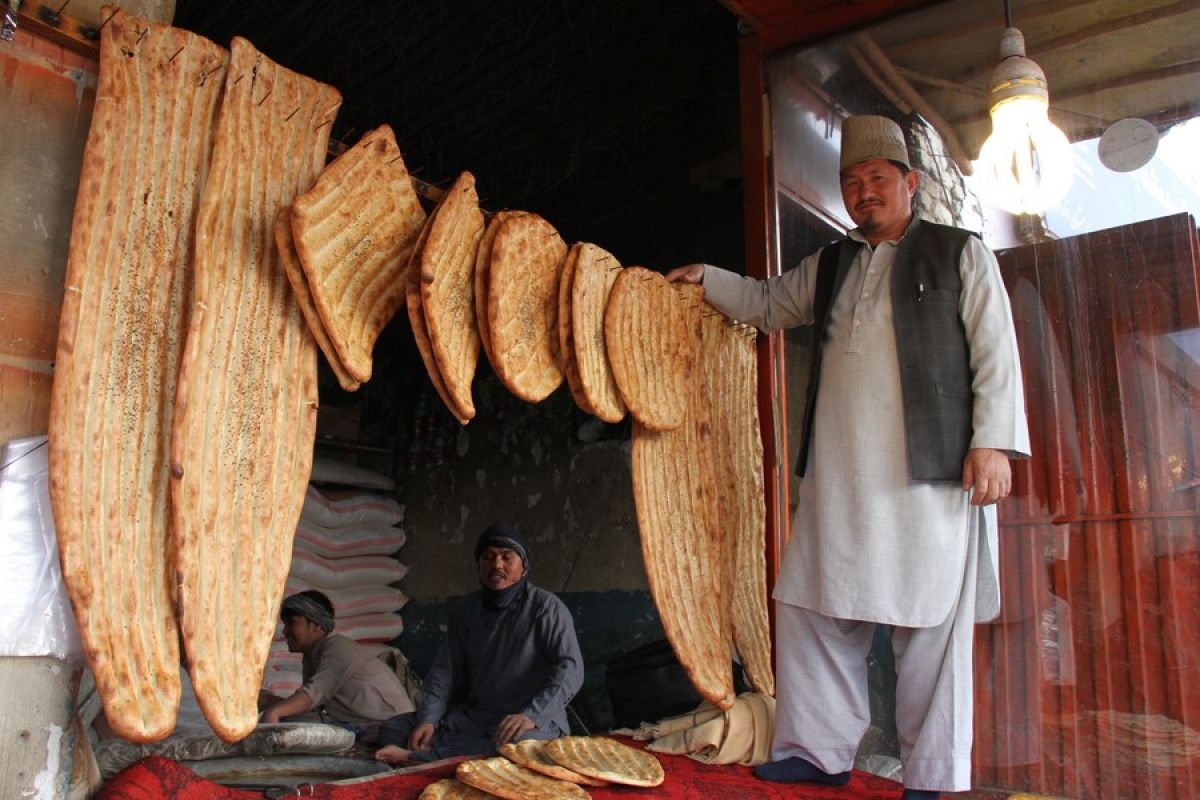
<point>1026,163</point>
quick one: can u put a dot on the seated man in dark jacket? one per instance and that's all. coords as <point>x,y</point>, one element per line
<point>343,680</point>
<point>509,665</point>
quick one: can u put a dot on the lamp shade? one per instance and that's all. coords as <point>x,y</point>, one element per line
<point>1025,164</point>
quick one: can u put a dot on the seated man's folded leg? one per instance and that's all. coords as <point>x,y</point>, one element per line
<point>460,733</point>
<point>396,730</point>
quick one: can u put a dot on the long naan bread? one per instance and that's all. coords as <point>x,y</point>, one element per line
<point>675,495</point>
<point>246,415</point>
<point>728,364</point>
<point>120,341</point>
<point>354,231</point>
<point>447,289</point>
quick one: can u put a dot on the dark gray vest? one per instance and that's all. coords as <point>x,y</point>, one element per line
<point>931,344</point>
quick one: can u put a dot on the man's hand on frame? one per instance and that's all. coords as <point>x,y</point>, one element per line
<point>689,273</point>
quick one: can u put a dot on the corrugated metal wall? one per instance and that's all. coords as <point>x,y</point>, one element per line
<point>1086,684</point>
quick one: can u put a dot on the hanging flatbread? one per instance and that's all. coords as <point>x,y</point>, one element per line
<point>606,759</point>
<point>503,778</point>
<point>649,348</point>
<point>120,342</point>
<point>675,495</point>
<point>729,367</point>
<point>527,257</point>
<point>241,453</point>
<point>299,282</point>
<point>447,264</point>
<point>531,754</point>
<point>594,274</point>
<point>566,336</point>
<point>354,232</point>
<point>416,319</point>
<point>483,259</point>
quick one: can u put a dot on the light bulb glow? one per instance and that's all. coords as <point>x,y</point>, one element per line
<point>1025,165</point>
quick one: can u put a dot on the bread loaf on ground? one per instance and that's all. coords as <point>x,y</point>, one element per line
<point>606,759</point>
<point>531,754</point>
<point>503,778</point>
<point>450,789</point>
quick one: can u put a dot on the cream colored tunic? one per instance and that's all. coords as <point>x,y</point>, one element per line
<point>868,543</point>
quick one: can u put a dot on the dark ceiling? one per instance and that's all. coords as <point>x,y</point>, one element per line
<point>596,115</point>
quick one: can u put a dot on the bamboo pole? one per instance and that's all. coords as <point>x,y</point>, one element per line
<point>914,98</point>
<point>871,74</point>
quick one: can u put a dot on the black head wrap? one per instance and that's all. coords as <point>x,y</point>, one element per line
<point>304,605</point>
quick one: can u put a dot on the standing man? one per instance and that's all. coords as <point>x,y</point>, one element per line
<point>509,665</point>
<point>347,683</point>
<point>914,408</point>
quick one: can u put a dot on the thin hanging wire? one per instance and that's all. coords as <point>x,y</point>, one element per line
<point>1007,15</point>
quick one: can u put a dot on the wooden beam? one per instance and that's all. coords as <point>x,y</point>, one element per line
<point>989,22</point>
<point>941,83</point>
<point>805,21</point>
<point>49,22</point>
<point>1149,76</point>
<point>916,100</point>
<point>1181,113</point>
<point>871,74</point>
<point>1035,49</point>
<point>758,200</point>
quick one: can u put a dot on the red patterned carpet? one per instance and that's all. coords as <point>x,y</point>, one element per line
<point>157,778</point>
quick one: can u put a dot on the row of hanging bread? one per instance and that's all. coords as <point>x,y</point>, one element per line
<point>206,257</point>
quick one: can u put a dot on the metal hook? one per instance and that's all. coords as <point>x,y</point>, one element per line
<point>110,16</point>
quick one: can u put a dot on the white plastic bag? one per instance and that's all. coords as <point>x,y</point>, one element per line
<point>35,615</point>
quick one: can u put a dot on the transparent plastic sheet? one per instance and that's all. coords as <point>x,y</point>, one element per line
<point>35,615</point>
<point>8,22</point>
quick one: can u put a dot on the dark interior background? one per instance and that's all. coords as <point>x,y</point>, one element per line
<point>617,121</point>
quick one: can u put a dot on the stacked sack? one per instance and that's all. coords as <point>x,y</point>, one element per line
<point>344,547</point>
